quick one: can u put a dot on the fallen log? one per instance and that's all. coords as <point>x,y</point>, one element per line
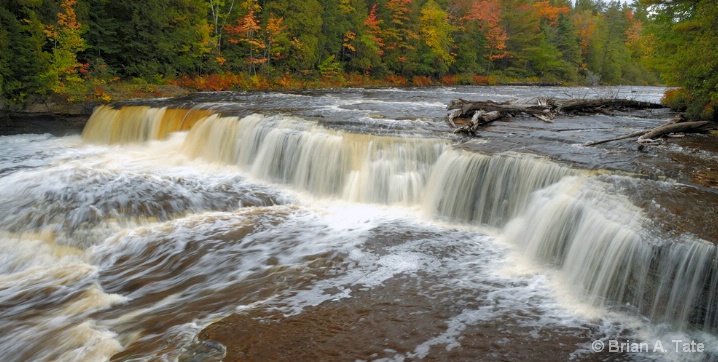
<point>679,118</point>
<point>545,116</point>
<point>541,108</point>
<point>483,117</point>
<point>671,128</point>
<point>479,118</point>
<point>630,135</point>
<point>602,104</point>
<point>675,125</point>
<point>468,107</point>
<point>478,113</point>
<point>450,118</point>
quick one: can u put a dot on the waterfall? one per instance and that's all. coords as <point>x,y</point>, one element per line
<point>454,184</point>
<point>490,190</point>
<point>362,168</point>
<point>138,123</point>
<point>600,243</point>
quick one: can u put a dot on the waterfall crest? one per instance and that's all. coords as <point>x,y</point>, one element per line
<point>355,167</point>
<point>130,124</point>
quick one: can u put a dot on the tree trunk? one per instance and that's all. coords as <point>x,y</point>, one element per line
<point>474,113</point>
<point>596,105</point>
<point>672,128</point>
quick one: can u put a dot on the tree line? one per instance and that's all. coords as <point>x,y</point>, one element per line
<point>62,46</point>
<point>683,35</point>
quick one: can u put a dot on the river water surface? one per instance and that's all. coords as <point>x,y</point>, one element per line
<point>354,225</point>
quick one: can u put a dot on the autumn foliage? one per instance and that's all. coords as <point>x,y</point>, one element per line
<point>252,44</point>
<point>549,12</point>
<point>677,99</point>
<point>487,13</point>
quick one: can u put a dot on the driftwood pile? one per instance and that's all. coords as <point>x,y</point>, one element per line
<point>468,117</point>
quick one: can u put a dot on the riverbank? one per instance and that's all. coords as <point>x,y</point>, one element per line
<point>51,115</point>
<point>58,124</point>
<point>56,115</point>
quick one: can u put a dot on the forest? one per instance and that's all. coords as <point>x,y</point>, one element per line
<point>76,48</point>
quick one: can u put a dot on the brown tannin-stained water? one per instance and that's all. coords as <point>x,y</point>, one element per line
<point>353,225</point>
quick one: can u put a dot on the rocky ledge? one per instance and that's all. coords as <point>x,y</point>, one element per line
<point>59,119</point>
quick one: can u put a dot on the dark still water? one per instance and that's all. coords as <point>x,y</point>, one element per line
<point>354,225</point>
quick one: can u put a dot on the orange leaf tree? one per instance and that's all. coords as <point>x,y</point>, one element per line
<point>246,33</point>
<point>488,15</point>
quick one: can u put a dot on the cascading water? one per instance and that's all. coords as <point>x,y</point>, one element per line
<point>601,244</point>
<point>138,123</point>
<point>593,236</point>
<point>135,251</point>
<point>469,187</point>
<point>355,167</point>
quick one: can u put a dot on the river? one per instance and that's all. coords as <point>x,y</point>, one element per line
<point>354,225</point>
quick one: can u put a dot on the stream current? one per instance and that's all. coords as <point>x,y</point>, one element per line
<point>354,225</point>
